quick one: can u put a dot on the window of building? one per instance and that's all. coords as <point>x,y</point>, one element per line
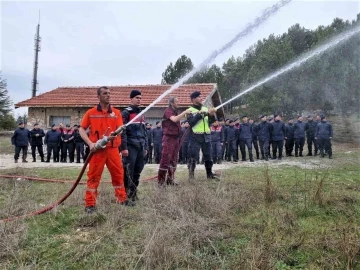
<point>59,119</point>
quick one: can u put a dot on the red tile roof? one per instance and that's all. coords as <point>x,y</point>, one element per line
<point>86,96</point>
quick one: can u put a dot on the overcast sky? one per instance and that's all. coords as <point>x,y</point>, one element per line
<point>89,43</point>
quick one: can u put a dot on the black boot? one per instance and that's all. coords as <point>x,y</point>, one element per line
<point>251,157</point>
<point>191,167</point>
<point>209,173</point>
<point>34,160</point>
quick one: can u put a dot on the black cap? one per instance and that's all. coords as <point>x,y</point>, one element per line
<point>221,119</point>
<point>270,118</point>
<point>290,119</point>
<point>231,121</point>
<point>134,93</point>
<point>276,115</point>
<point>299,116</point>
<point>262,116</point>
<point>243,116</point>
<point>20,123</point>
<point>53,125</point>
<point>36,124</point>
<point>67,125</point>
<point>195,94</point>
<point>322,117</point>
<point>309,116</point>
<point>75,125</point>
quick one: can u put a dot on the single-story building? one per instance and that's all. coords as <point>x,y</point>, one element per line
<point>67,105</point>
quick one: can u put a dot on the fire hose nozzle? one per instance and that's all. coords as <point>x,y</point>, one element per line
<point>101,144</point>
<point>119,130</point>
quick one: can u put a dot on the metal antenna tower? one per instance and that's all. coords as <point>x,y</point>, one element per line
<point>36,62</point>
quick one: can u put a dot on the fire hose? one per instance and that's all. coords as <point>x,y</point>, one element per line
<point>100,144</point>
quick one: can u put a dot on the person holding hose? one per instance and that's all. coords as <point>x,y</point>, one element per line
<point>102,120</point>
<point>200,120</point>
<point>171,142</point>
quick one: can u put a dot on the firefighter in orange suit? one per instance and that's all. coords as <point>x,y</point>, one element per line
<point>102,119</point>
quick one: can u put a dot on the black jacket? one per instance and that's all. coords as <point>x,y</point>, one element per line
<point>263,131</point>
<point>135,133</point>
<point>289,131</point>
<point>245,132</point>
<point>277,131</point>
<point>77,137</point>
<point>299,130</point>
<point>157,134</point>
<point>37,140</point>
<point>21,137</point>
<point>310,128</point>
<point>232,134</point>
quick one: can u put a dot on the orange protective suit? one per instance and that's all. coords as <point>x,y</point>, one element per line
<point>99,121</point>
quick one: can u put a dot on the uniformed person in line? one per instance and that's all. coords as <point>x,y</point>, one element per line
<point>245,138</point>
<point>217,141</point>
<point>277,136</point>
<point>289,137</point>
<point>324,134</point>
<point>299,136</point>
<point>310,129</point>
<point>200,120</point>
<point>263,131</point>
<point>255,141</point>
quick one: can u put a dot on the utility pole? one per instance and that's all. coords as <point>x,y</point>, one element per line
<point>36,62</point>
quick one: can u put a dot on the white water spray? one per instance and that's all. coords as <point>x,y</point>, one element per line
<point>266,14</point>
<point>333,42</point>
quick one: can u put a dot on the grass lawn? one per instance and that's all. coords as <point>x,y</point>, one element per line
<point>254,218</point>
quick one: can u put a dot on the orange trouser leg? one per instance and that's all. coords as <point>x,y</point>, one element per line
<point>96,167</point>
<point>115,167</point>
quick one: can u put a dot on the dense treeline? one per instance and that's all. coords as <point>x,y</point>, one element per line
<point>329,82</point>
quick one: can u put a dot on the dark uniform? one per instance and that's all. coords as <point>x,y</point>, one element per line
<point>299,136</point>
<point>310,129</point>
<point>20,140</point>
<point>225,145</point>
<point>245,138</point>
<point>255,141</point>
<point>324,134</point>
<point>289,136</point>
<point>231,140</point>
<point>52,141</point>
<point>185,144</point>
<point>79,146</point>
<point>217,140</point>
<point>263,131</point>
<point>37,135</point>
<point>134,139</point>
<point>149,155</point>
<point>68,144</point>
<point>157,134</point>
<point>277,137</point>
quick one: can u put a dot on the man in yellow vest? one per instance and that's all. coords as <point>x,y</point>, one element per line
<point>200,120</point>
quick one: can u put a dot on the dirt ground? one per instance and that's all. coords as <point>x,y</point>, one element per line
<point>7,162</point>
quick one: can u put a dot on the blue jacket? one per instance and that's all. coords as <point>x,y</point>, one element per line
<point>277,131</point>
<point>254,132</point>
<point>245,132</point>
<point>52,137</point>
<point>157,134</point>
<point>21,137</point>
<point>289,131</point>
<point>37,140</point>
<point>299,130</point>
<point>263,131</point>
<point>231,134</point>
<point>324,130</point>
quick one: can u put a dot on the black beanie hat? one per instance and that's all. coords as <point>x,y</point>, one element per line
<point>195,94</point>
<point>134,93</point>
